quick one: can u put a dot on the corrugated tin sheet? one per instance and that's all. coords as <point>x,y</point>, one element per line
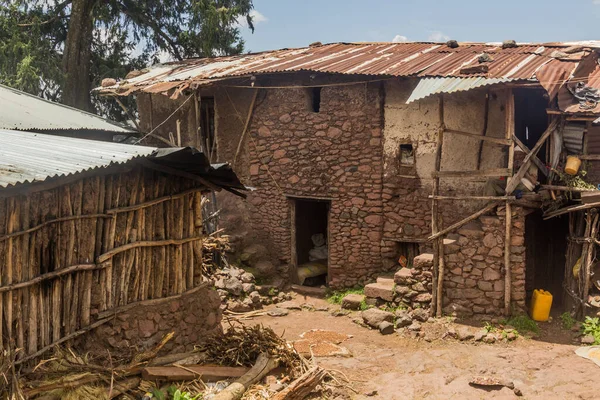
<point>428,86</point>
<point>573,137</point>
<point>386,59</point>
<point>27,157</point>
<point>22,111</point>
<point>34,157</point>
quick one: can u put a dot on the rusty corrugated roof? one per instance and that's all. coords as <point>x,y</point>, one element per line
<point>383,59</point>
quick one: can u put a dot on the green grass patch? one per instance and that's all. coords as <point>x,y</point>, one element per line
<point>567,320</point>
<point>522,323</point>
<point>336,296</point>
<point>591,326</point>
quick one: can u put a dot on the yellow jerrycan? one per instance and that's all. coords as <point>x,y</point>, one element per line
<point>541,303</point>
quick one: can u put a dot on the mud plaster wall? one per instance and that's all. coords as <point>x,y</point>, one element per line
<point>407,208</point>
<point>334,153</point>
<point>474,281</point>
<point>191,317</point>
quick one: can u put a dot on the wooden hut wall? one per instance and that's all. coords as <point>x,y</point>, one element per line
<point>98,244</point>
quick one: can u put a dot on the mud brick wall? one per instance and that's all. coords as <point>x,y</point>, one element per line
<point>334,153</point>
<point>192,318</point>
<point>474,278</point>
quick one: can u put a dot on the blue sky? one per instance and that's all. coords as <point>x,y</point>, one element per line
<point>297,23</point>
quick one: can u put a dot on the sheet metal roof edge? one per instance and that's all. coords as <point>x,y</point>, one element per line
<point>192,64</point>
<point>37,98</point>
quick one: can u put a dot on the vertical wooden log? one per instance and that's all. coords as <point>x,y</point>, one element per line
<point>111,300</point>
<point>179,248</point>
<point>198,224</point>
<point>438,244</point>
<point>21,267</point>
<point>586,270</point>
<point>509,129</point>
<point>189,232</point>
<point>29,253</point>
<point>4,214</point>
<point>507,266</point>
<point>8,296</point>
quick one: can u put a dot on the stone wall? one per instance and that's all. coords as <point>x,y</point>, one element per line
<point>474,278</point>
<point>407,208</point>
<point>192,318</point>
<point>334,154</point>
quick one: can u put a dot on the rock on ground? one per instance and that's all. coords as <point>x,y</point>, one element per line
<point>352,301</point>
<point>374,316</point>
<point>386,328</point>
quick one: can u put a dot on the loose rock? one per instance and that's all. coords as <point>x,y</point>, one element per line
<point>373,317</point>
<point>386,328</point>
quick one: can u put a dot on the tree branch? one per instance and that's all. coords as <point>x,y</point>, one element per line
<point>145,20</point>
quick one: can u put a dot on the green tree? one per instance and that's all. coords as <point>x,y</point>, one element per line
<point>62,49</point>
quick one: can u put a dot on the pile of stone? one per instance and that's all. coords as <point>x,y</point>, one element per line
<point>387,322</point>
<point>239,292</point>
<point>409,288</point>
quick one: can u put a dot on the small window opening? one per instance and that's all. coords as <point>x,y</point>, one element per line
<point>315,95</point>
<point>207,124</point>
<point>407,155</point>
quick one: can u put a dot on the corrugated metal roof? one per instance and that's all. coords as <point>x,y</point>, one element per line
<point>27,157</point>
<point>22,111</point>
<point>428,86</point>
<point>387,59</point>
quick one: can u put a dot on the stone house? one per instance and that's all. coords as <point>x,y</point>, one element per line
<point>378,147</point>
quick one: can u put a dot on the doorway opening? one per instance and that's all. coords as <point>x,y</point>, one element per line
<point>546,255</point>
<point>310,240</point>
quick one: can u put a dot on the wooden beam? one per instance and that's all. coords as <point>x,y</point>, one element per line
<point>144,243</point>
<point>191,372</point>
<point>473,197</point>
<point>590,157</point>
<point>491,140</point>
<point>566,188</point>
<point>514,182</point>
<point>50,275</point>
<point>567,210</point>
<point>535,159</point>
<point>462,222</point>
<point>496,172</point>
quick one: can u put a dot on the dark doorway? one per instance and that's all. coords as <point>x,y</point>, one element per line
<point>311,240</point>
<point>531,119</point>
<point>546,243</point>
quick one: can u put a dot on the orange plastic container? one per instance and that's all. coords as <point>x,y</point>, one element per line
<point>541,303</point>
<point>573,164</point>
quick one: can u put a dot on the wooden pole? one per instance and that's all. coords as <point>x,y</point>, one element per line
<point>437,280</point>
<point>243,135</point>
<point>586,270</point>
<point>509,111</point>
<point>462,222</point>
<point>507,266</point>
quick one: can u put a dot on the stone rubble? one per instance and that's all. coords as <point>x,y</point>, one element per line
<point>239,292</point>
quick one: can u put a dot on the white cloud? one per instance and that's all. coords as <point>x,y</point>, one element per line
<point>596,2</point>
<point>437,36</point>
<point>401,39</point>
<point>257,18</point>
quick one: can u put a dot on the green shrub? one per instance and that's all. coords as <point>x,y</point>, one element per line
<point>336,296</point>
<point>522,323</point>
<point>591,326</point>
<point>567,320</point>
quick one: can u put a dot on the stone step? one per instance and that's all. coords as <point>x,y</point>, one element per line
<point>386,280</point>
<point>382,289</point>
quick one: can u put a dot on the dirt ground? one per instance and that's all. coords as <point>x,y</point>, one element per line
<point>393,367</point>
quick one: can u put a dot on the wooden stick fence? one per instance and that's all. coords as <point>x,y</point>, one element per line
<point>99,243</point>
